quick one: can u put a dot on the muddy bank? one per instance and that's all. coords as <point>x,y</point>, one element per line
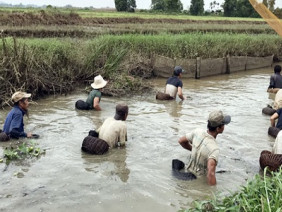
<point>199,67</point>
<point>56,66</point>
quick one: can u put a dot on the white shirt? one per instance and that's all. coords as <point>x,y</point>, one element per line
<point>113,131</point>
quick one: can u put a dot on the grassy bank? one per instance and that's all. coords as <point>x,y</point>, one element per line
<point>260,194</point>
<point>48,66</point>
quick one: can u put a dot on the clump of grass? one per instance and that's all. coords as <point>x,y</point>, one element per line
<point>22,151</point>
<point>263,193</point>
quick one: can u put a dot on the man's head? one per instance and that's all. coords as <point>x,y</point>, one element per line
<point>121,111</point>
<point>21,99</point>
<point>277,69</point>
<point>177,71</point>
<point>217,120</point>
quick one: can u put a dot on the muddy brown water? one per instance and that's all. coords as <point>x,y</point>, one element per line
<point>138,177</point>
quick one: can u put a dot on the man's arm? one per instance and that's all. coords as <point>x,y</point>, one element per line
<point>211,171</point>
<point>122,136</point>
<point>273,118</point>
<point>96,105</point>
<point>180,94</point>
<point>185,143</point>
<point>273,90</point>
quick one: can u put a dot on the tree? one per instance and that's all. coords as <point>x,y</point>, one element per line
<point>239,8</point>
<point>167,5</point>
<point>265,2</point>
<point>173,5</point>
<point>245,9</point>
<point>158,5</point>
<point>131,5</point>
<point>121,5</point>
<point>197,7</point>
<point>125,5</point>
<point>229,8</point>
<point>269,4</point>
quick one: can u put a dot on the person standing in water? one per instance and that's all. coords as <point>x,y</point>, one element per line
<point>14,125</point>
<point>94,97</point>
<point>174,84</point>
<point>203,146</point>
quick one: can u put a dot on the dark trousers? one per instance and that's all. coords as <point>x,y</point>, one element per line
<point>82,105</point>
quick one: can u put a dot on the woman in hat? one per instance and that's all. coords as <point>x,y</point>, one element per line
<point>94,96</point>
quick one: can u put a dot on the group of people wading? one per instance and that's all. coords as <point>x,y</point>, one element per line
<point>113,132</point>
<point>273,159</point>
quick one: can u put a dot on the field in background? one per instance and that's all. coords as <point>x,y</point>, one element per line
<point>120,46</point>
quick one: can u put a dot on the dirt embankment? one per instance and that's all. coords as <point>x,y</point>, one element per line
<point>43,18</point>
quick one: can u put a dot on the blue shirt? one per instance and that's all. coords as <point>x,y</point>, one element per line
<point>14,125</point>
<point>275,81</point>
<point>175,81</point>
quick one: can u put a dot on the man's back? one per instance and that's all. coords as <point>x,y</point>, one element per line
<point>278,100</point>
<point>172,85</point>
<point>113,131</point>
<point>275,81</point>
<point>204,147</point>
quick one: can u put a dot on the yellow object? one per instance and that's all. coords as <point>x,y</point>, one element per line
<point>268,16</point>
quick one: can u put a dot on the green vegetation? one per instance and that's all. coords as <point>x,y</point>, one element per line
<point>168,6</point>
<point>54,66</point>
<point>125,5</point>
<point>260,194</point>
<point>22,151</point>
<point>239,8</point>
<point>197,7</point>
<point>73,46</point>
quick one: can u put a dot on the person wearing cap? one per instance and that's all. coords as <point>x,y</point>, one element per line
<point>174,84</point>
<point>14,126</point>
<point>94,97</point>
<point>114,130</point>
<point>203,146</point>
<point>275,80</point>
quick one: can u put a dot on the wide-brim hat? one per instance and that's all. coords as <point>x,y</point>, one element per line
<point>99,82</point>
<point>19,95</point>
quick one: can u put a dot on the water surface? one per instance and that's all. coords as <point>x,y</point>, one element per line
<point>138,177</point>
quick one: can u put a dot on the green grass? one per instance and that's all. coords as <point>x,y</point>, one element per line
<point>21,151</point>
<point>263,193</point>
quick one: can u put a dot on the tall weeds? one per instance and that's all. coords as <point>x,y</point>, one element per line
<point>50,66</point>
<point>263,193</point>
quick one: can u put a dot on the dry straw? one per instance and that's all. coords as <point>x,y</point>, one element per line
<point>268,16</point>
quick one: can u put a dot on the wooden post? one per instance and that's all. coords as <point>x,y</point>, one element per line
<point>228,64</point>
<point>198,68</point>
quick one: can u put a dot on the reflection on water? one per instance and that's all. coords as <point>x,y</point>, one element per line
<point>116,160</point>
<point>138,177</point>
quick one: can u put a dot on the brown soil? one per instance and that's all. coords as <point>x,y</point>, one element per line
<point>43,18</point>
